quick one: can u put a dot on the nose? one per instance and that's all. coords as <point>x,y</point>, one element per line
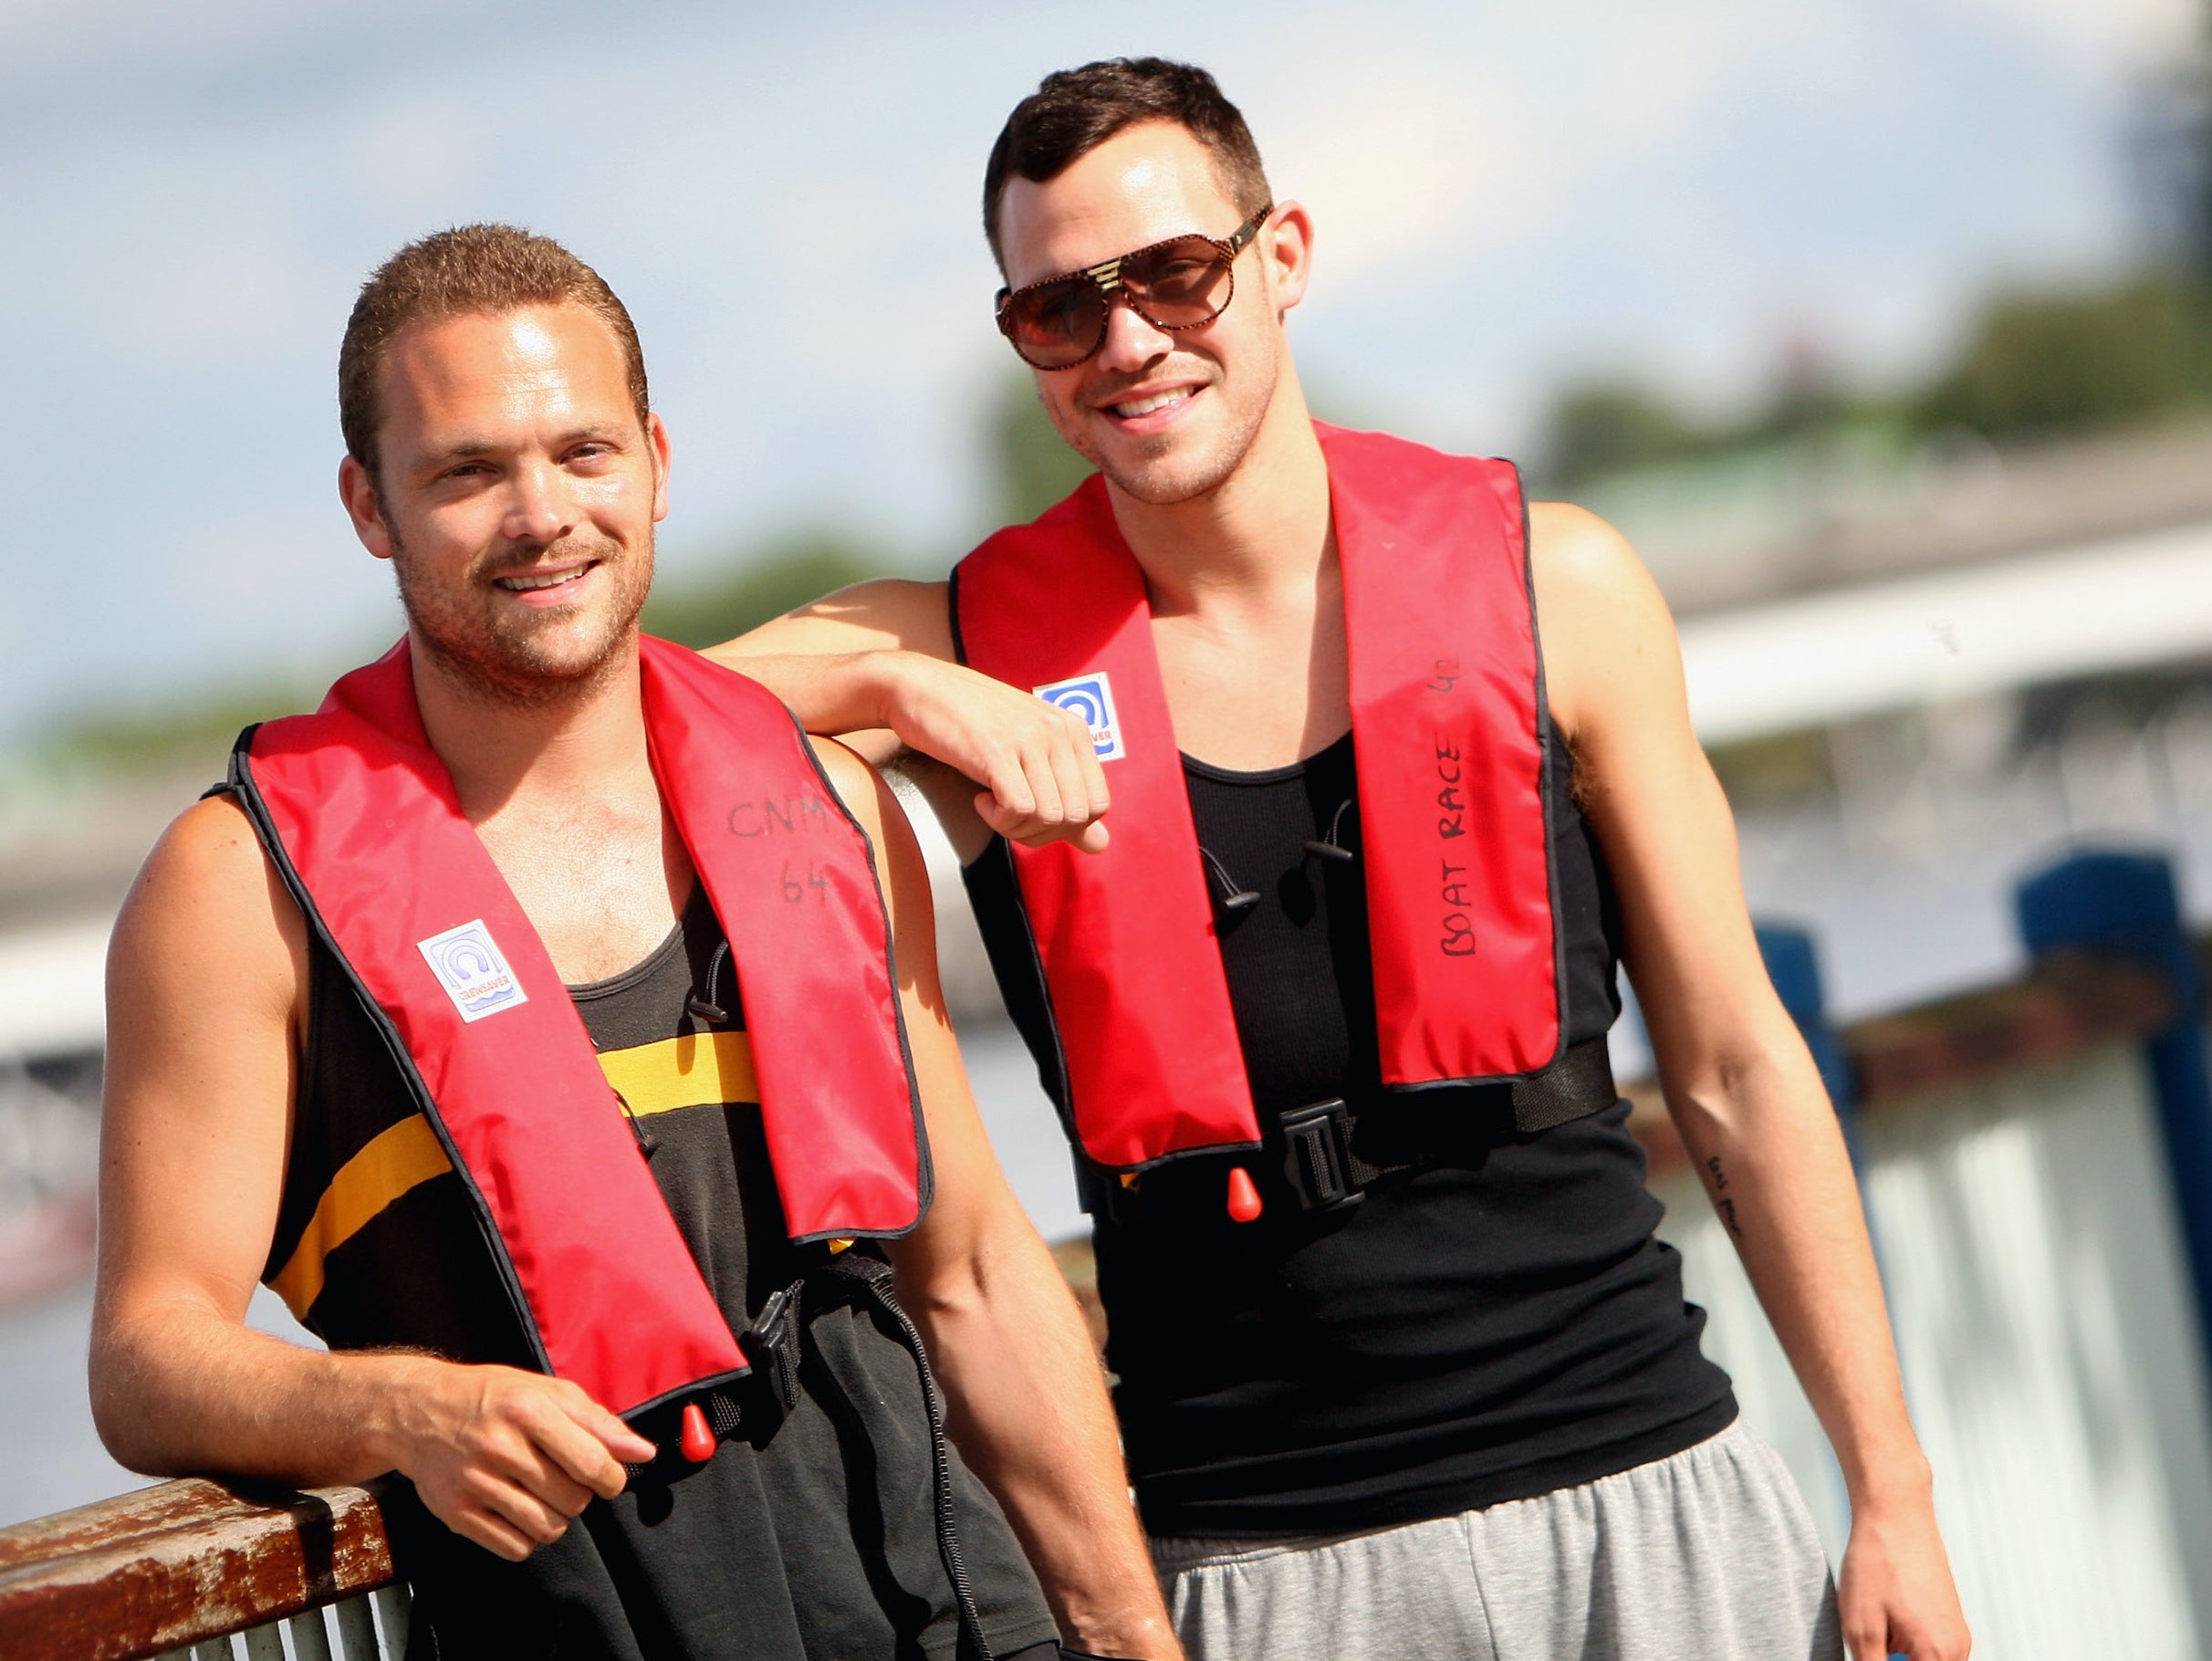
<point>1131,341</point>
<point>536,510</point>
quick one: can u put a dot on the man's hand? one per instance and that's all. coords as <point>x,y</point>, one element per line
<point>1041,773</point>
<point>1895,1594</point>
<point>504,1458</point>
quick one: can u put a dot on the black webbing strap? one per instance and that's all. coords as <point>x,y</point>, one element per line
<point>1319,1157</point>
<point>873,1276</point>
<point>1318,1139</point>
<point>1578,1082</point>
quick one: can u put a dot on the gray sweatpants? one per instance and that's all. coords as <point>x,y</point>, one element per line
<point>1706,1556</point>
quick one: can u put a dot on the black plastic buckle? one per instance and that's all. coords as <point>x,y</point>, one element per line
<point>1317,1155</point>
<point>1104,1196</point>
<point>771,1344</point>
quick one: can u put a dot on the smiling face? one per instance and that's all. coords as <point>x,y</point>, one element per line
<point>516,497</point>
<point>1166,417</point>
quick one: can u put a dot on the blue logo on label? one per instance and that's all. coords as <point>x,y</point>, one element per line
<point>1090,696</point>
<point>472,970</point>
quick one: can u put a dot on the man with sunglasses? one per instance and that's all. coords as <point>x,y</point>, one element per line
<point>1402,1370</point>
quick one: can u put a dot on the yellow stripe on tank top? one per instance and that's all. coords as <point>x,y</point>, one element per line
<point>697,1069</point>
<point>396,1159</point>
<point>693,1071</point>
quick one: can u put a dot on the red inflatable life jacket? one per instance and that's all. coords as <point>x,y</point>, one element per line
<point>361,819</point>
<point>1448,721</point>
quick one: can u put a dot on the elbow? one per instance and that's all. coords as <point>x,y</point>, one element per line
<point>128,1429</point>
<point>1721,1095</point>
<point>122,1431</point>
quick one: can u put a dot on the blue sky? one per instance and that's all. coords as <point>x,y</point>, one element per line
<point>1506,195</point>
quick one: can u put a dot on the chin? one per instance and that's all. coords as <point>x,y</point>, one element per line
<point>528,666</point>
<point>1170,479</point>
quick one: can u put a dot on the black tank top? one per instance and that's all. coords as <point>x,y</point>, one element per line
<point>812,1536</point>
<point>1495,1323</point>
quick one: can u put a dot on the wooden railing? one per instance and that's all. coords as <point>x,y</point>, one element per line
<point>180,1568</point>
<point>174,1570</point>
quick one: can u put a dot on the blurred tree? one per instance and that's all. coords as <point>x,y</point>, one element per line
<point>2050,361</point>
<point>176,733</point>
<point>1608,427</point>
<point>789,574</point>
<point>1033,465</point>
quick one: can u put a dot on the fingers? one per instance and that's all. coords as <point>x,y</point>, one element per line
<point>1031,833</point>
<point>524,1456</point>
<point>491,1532</point>
<point>1073,780</point>
<point>1867,1640</point>
<point>590,1444</point>
<point>507,1505</point>
<point>1047,785</point>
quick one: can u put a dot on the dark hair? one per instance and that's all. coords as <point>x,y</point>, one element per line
<point>488,268</point>
<point>1073,111</point>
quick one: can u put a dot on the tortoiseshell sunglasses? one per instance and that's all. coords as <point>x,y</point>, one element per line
<point>1184,282</point>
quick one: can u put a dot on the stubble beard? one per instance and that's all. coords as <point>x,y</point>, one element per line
<point>509,656</point>
<point>1170,469</point>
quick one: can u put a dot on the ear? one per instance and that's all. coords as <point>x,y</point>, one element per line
<point>656,435</point>
<point>357,490</point>
<point>1286,248</point>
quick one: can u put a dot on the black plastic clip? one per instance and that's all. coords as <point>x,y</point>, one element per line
<point>771,1343</point>
<point>1104,1196</point>
<point>1317,1155</point>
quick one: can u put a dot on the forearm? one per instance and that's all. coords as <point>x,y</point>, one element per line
<point>1767,1145</point>
<point>832,692</point>
<point>182,1390</point>
<point>1029,1408</point>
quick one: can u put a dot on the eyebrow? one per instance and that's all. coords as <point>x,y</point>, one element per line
<point>461,448</point>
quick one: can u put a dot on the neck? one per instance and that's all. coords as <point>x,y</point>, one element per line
<point>501,752</point>
<point>1261,532</point>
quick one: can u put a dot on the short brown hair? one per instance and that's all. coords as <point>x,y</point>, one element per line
<point>1073,111</point>
<point>488,268</point>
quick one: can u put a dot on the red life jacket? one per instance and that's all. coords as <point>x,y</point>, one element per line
<point>1448,721</point>
<point>359,817</point>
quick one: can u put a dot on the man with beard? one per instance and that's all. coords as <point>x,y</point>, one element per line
<point>528,1017</point>
<point>1402,1370</point>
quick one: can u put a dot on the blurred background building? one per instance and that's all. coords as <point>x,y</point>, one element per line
<point>1883,329</point>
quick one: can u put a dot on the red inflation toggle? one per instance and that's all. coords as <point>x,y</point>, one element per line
<point>1244,1198</point>
<point>697,1441</point>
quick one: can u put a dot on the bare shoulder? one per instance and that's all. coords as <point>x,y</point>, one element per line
<point>1579,558</point>
<point>207,903</point>
<point>1605,625</point>
<point>858,785</point>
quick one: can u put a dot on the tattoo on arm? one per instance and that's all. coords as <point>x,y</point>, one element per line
<point>1726,1207</point>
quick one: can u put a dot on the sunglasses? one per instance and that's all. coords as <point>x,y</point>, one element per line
<point>1184,282</point>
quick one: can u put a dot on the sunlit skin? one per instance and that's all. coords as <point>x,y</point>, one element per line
<point>1222,496</point>
<point>511,454</point>
<point>517,494</point>
<point>1144,186</point>
<point>519,489</point>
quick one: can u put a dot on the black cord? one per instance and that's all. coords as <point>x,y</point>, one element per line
<point>1233,897</point>
<point>1328,847</point>
<point>647,1145</point>
<point>702,1007</point>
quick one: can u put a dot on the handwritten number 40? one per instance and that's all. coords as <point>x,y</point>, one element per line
<point>795,889</point>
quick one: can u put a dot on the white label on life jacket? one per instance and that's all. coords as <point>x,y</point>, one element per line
<point>1090,696</point>
<point>471,969</point>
